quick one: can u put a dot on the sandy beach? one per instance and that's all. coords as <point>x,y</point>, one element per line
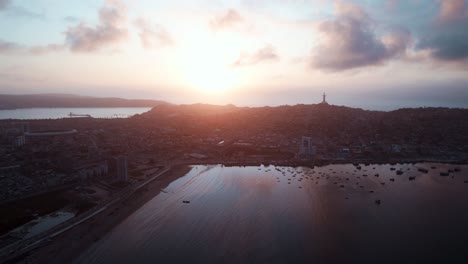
<point>67,246</point>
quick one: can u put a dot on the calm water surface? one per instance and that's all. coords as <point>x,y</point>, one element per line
<point>55,113</point>
<point>297,215</point>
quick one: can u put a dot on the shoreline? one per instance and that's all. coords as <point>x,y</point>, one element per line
<point>320,163</point>
<point>66,247</point>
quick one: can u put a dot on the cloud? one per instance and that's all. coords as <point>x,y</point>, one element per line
<point>265,54</point>
<point>396,41</point>
<point>391,4</point>
<point>446,38</point>
<point>110,30</point>
<point>8,47</point>
<point>82,38</point>
<point>230,19</point>
<point>23,12</point>
<point>349,41</point>
<point>19,11</point>
<point>4,4</point>
<point>153,35</point>
<point>452,11</point>
<point>39,50</point>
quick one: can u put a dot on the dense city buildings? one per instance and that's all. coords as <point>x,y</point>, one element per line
<point>88,161</point>
<point>54,153</point>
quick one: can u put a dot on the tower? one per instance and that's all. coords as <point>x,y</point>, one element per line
<point>324,97</point>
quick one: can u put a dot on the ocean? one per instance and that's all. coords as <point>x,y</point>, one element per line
<point>56,113</point>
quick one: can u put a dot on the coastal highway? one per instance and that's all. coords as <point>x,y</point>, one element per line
<point>21,247</point>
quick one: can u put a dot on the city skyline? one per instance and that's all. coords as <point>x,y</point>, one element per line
<point>387,53</point>
<point>233,131</point>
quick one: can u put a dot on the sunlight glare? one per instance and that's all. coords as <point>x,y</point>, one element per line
<point>207,66</point>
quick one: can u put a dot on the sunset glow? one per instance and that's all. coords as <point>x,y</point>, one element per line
<point>205,66</point>
<point>233,131</point>
<point>249,52</point>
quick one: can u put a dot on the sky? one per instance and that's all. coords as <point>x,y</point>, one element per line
<point>363,53</point>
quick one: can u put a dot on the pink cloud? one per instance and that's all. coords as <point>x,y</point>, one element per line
<point>230,19</point>
<point>266,54</point>
<point>452,11</point>
<point>153,35</point>
<point>110,30</point>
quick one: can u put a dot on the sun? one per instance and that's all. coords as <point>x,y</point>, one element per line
<point>206,66</point>
<point>210,77</point>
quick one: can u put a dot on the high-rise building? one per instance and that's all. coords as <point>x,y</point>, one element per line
<point>122,169</point>
<point>306,147</point>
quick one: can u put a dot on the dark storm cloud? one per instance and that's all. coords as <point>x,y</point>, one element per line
<point>447,45</point>
<point>447,36</point>
<point>110,30</point>
<point>152,36</point>
<point>265,54</point>
<point>349,41</point>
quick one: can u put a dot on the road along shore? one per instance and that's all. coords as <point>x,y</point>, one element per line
<point>66,246</point>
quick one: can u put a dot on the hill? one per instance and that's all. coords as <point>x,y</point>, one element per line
<point>419,130</point>
<point>8,101</point>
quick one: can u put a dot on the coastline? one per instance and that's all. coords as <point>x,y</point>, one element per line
<point>67,246</point>
<point>36,114</point>
<point>323,162</point>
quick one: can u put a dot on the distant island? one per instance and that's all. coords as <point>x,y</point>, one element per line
<point>8,101</point>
